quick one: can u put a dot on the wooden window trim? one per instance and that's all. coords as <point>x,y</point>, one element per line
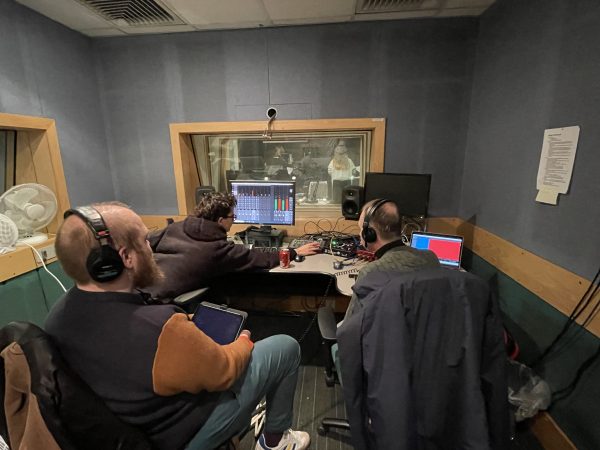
<point>37,139</point>
<point>186,178</point>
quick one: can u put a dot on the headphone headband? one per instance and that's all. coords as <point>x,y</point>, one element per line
<point>368,233</point>
<point>93,219</point>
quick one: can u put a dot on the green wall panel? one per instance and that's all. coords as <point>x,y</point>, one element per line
<point>30,296</point>
<point>52,290</point>
<point>22,298</point>
<point>534,324</point>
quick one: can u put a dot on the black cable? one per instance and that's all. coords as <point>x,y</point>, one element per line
<point>568,389</point>
<point>594,310</point>
<point>585,300</point>
<point>314,318</point>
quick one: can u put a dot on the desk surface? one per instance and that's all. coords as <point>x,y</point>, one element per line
<point>323,263</point>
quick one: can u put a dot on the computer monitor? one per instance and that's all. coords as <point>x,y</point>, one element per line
<point>264,202</point>
<point>410,191</point>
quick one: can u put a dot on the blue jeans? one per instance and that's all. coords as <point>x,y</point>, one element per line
<point>272,372</point>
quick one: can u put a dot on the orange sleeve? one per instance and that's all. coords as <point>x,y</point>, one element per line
<point>187,360</point>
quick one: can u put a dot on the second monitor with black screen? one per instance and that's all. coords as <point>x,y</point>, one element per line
<point>408,190</point>
<point>264,202</point>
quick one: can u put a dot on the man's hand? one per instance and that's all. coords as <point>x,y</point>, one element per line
<point>308,249</point>
<point>245,333</point>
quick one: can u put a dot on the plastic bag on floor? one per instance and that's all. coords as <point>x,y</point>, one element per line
<point>527,392</point>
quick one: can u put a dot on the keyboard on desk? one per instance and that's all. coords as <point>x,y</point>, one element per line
<point>295,243</point>
<point>267,249</point>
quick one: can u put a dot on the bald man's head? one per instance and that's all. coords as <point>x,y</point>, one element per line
<point>385,220</point>
<point>75,240</point>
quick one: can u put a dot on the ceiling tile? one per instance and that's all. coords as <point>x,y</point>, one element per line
<point>305,9</point>
<point>206,12</point>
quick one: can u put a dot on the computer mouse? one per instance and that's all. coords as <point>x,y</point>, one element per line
<point>337,265</point>
<point>299,258</point>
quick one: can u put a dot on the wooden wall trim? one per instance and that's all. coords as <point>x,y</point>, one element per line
<point>22,261</point>
<point>555,285</point>
<point>549,434</point>
<point>306,224</point>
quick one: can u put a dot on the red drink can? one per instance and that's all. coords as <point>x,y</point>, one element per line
<point>284,258</point>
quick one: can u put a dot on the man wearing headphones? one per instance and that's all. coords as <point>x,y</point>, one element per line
<point>195,251</point>
<point>150,363</point>
<point>381,233</point>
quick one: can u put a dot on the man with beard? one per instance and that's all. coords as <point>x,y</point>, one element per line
<point>149,363</point>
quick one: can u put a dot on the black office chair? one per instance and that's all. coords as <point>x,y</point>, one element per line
<point>73,414</point>
<point>327,328</point>
<point>188,301</point>
<point>75,417</point>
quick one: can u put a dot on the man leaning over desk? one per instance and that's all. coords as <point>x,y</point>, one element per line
<point>195,251</point>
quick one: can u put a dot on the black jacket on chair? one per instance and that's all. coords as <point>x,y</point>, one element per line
<point>75,416</point>
<point>424,363</point>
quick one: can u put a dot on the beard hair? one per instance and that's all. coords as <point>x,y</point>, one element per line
<point>147,272</point>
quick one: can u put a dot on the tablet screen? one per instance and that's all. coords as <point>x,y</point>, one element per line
<point>220,323</point>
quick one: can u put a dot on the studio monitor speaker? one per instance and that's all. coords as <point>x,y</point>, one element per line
<point>353,198</point>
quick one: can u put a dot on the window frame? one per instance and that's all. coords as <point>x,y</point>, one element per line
<point>186,175</point>
<point>38,160</point>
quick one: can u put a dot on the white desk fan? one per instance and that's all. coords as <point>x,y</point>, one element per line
<point>31,207</point>
<point>8,234</point>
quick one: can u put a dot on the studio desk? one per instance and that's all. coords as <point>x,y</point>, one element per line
<point>304,286</point>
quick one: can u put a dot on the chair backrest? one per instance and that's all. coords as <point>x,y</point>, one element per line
<point>424,364</point>
<point>75,416</point>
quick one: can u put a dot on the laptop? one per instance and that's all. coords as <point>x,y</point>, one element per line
<point>448,248</point>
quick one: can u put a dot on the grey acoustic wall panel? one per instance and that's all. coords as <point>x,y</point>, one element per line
<point>414,73</point>
<point>537,67</point>
<point>47,70</point>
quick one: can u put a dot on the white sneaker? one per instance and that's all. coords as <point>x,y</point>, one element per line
<point>291,440</point>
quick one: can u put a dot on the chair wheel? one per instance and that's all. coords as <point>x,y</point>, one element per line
<point>322,430</point>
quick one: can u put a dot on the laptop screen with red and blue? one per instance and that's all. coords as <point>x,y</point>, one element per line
<point>447,248</point>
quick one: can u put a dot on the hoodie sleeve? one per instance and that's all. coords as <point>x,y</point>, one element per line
<point>237,258</point>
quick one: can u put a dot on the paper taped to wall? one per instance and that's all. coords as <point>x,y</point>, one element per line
<point>556,163</point>
<point>550,197</point>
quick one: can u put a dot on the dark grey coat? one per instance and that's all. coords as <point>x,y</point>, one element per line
<point>424,363</point>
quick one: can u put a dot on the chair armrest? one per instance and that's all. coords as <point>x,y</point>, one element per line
<point>327,325</point>
<point>189,297</point>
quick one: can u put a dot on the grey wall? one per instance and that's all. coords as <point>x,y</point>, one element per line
<point>416,74</point>
<point>47,70</point>
<point>537,67</point>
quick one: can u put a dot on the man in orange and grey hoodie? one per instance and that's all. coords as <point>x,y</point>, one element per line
<point>150,363</point>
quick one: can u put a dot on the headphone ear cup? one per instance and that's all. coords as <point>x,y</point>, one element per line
<point>104,264</point>
<point>369,235</point>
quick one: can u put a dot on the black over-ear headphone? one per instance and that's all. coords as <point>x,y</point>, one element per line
<point>103,263</point>
<point>368,233</point>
